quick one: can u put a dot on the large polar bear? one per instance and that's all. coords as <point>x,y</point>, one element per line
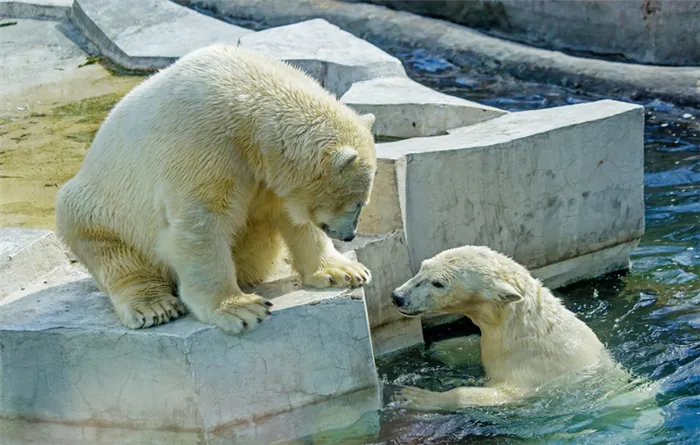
<point>199,173</point>
<point>528,338</point>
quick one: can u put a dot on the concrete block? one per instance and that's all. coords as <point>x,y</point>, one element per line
<point>405,108</point>
<point>26,255</point>
<point>388,258</point>
<point>334,57</point>
<point>66,359</point>
<point>148,34</point>
<point>35,9</point>
<point>661,33</point>
<point>542,186</point>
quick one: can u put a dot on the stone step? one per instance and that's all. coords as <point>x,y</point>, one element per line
<point>26,256</point>
<point>542,186</point>
<point>66,359</point>
<point>404,108</point>
<point>332,56</point>
<point>387,258</point>
<point>148,34</point>
<point>35,9</point>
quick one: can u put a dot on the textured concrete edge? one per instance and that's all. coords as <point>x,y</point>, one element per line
<point>31,263</point>
<point>28,10</point>
<point>466,47</point>
<point>109,49</point>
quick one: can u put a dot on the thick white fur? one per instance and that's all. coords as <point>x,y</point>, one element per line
<point>528,338</point>
<point>199,173</point>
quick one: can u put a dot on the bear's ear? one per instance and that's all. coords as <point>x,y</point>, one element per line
<point>507,294</point>
<point>368,120</point>
<point>343,157</point>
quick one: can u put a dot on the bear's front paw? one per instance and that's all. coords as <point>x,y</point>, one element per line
<point>417,398</point>
<point>344,273</point>
<point>240,312</point>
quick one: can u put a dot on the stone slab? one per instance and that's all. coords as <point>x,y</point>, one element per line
<point>334,57</point>
<point>37,53</point>
<point>404,108</point>
<point>591,265</point>
<point>35,9</point>
<point>149,34</point>
<point>466,47</point>
<point>662,32</point>
<point>333,414</point>
<point>542,186</point>
<point>26,255</point>
<point>65,358</point>
<point>387,256</point>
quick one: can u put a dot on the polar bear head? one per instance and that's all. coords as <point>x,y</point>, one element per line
<point>471,280</point>
<point>333,198</point>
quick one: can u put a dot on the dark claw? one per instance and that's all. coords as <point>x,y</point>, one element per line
<point>347,277</point>
<point>259,320</point>
<point>268,303</point>
<point>245,324</point>
<point>268,313</point>
<point>331,280</point>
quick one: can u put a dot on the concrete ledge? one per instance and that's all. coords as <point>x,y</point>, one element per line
<point>84,368</point>
<point>340,412</point>
<point>542,186</point>
<point>26,255</point>
<point>147,35</point>
<point>35,9</point>
<point>404,108</point>
<point>663,32</point>
<point>387,256</point>
<point>467,47</point>
<point>334,57</point>
<point>587,266</point>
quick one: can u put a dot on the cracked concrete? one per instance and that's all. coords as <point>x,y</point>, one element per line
<point>86,368</point>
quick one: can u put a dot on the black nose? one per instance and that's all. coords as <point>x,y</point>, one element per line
<point>397,299</point>
<point>349,238</point>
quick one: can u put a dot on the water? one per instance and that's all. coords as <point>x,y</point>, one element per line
<point>649,317</point>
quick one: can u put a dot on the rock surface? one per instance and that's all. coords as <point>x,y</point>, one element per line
<point>404,108</point>
<point>26,255</point>
<point>86,369</point>
<point>332,56</point>
<point>387,256</point>
<point>148,34</point>
<point>466,47</point>
<point>35,9</point>
<point>542,186</point>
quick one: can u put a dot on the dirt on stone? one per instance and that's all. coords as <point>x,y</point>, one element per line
<point>42,148</point>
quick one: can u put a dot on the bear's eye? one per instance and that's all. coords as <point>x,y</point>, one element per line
<point>437,284</point>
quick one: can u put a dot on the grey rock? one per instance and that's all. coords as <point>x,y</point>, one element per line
<point>149,34</point>
<point>332,56</point>
<point>404,108</point>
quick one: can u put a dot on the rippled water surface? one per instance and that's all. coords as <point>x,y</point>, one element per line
<point>649,317</point>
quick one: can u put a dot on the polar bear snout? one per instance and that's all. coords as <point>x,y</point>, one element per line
<point>398,299</point>
<point>347,234</point>
<point>344,228</point>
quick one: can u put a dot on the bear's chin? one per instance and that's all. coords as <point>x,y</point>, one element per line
<point>410,314</point>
